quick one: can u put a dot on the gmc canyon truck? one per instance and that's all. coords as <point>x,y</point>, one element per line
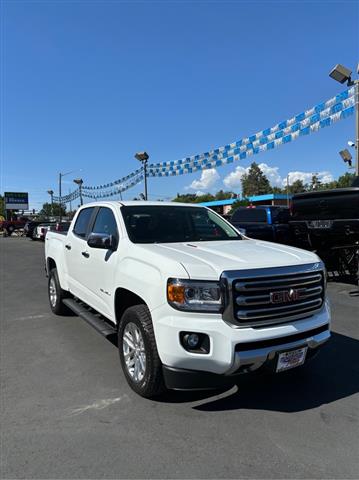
<point>193,303</point>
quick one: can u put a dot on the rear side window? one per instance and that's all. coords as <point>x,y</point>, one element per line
<point>105,222</point>
<point>250,215</point>
<point>82,222</point>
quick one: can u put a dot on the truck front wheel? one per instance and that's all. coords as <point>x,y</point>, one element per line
<point>57,295</point>
<point>138,352</point>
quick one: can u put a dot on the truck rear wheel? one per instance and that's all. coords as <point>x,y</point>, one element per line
<point>57,295</point>
<point>138,352</point>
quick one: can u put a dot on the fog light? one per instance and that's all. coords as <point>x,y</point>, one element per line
<point>195,342</point>
<point>192,340</point>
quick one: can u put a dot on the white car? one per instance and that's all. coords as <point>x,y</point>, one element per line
<point>194,304</point>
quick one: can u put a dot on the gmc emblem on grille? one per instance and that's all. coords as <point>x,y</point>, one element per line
<point>286,296</point>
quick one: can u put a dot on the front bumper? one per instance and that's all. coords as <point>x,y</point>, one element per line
<point>232,350</point>
<point>258,360</point>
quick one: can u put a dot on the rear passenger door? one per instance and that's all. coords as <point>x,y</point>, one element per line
<point>76,253</point>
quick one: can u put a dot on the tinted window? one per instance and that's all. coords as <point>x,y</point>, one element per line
<point>281,215</point>
<point>105,222</point>
<point>157,224</point>
<point>250,215</point>
<point>82,222</point>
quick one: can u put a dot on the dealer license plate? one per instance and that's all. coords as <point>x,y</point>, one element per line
<point>292,359</point>
<point>320,224</point>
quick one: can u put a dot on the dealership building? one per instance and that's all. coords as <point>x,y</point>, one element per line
<point>224,206</point>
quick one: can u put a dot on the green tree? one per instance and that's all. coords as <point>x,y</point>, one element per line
<point>237,204</point>
<point>255,182</point>
<point>345,180</point>
<point>277,190</point>
<point>222,195</point>
<point>47,211</point>
<point>315,183</point>
<point>185,198</point>
<point>297,187</point>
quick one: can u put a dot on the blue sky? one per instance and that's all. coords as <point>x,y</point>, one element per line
<point>86,84</point>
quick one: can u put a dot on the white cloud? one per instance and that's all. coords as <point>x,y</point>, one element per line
<point>233,180</point>
<point>272,174</point>
<point>206,182</point>
<point>306,177</point>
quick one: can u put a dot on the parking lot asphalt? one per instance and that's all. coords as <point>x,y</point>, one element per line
<point>67,411</point>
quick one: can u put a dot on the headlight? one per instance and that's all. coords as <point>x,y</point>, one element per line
<point>193,295</point>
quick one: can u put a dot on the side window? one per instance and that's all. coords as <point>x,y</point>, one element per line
<point>281,216</point>
<point>82,222</point>
<point>105,222</point>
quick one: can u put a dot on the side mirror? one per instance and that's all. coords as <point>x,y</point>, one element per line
<point>102,240</point>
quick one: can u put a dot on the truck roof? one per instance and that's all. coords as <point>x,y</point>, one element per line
<point>137,203</point>
<point>334,191</point>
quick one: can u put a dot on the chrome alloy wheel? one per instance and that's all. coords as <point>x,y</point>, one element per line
<point>52,292</point>
<point>134,352</point>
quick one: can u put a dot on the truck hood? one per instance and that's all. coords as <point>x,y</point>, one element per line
<point>207,260</point>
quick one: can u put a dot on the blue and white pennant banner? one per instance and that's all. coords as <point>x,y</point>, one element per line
<point>116,191</point>
<point>67,198</point>
<point>120,181</point>
<point>320,116</point>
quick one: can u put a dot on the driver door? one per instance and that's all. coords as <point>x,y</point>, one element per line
<point>101,265</point>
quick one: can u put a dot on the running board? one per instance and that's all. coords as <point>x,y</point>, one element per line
<point>94,320</point>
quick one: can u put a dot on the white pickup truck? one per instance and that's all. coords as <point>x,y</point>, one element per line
<point>193,302</point>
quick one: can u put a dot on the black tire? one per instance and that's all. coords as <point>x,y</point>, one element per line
<point>57,295</point>
<point>10,230</point>
<point>151,384</point>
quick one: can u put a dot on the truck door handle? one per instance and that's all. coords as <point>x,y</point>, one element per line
<point>85,254</point>
<point>68,247</point>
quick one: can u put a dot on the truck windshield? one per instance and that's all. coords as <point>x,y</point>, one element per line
<point>166,224</point>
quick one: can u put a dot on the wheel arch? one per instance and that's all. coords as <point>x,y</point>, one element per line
<point>50,264</point>
<point>124,299</point>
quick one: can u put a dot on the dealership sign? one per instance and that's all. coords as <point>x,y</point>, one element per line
<point>16,201</point>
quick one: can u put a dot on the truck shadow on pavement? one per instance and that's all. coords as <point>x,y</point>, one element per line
<point>333,375</point>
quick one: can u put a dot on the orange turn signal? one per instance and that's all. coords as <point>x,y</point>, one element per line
<point>175,293</point>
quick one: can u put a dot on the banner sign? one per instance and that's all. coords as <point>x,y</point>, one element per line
<point>16,201</point>
<point>320,116</point>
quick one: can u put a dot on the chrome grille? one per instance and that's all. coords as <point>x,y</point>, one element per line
<point>275,295</point>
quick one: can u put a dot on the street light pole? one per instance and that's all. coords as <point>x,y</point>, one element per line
<point>51,193</point>
<point>60,198</point>
<point>343,75</point>
<point>79,182</point>
<point>145,173</point>
<point>288,190</point>
<point>143,158</point>
<point>60,192</point>
<point>356,86</point>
